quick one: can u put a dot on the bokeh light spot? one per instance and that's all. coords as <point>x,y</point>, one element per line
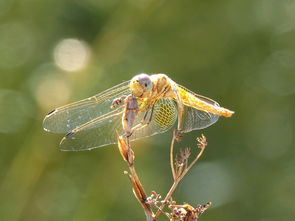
<point>16,44</point>
<point>71,55</point>
<point>15,112</point>
<point>52,92</point>
<point>50,88</point>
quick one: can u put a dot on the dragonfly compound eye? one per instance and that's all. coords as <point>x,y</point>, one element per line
<point>140,83</point>
<point>145,81</point>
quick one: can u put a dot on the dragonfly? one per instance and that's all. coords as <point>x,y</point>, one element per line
<point>144,106</point>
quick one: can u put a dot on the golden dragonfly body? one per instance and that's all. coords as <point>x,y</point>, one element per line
<point>144,106</point>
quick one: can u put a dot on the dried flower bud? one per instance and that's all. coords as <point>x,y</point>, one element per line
<point>202,142</point>
<point>125,151</point>
<point>185,153</point>
<point>186,212</point>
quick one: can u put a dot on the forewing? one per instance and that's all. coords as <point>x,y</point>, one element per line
<point>71,116</point>
<point>194,119</point>
<point>92,123</point>
<point>162,117</point>
<point>105,129</point>
<point>99,132</point>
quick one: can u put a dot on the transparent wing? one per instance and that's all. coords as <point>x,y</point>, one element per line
<point>105,129</point>
<point>99,132</point>
<point>193,117</point>
<point>162,117</point>
<point>71,116</point>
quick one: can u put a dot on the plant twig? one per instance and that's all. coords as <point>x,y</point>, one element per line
<point>179,168</point>
<point>138,190</point>
<point>171,155</point>
<point>202,143</point>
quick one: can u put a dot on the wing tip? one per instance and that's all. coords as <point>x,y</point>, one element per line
<point>51,112</point>
<point>69,134</point>
<point>45,127</point>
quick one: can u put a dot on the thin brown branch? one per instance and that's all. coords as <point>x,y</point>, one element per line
<point>179,168</point>
<point>168,196</point>
<point>192,163</point>
<point>138,190</point>
<point>180,173</point>
<point>171,155</point>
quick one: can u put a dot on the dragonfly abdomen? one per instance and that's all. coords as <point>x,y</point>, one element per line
<point>191,100</point>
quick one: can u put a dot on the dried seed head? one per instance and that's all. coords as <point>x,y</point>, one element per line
<point>200,209</point>
<point>153,199</point>
<point>179,162</point>
<point>186,212</point>
<point>185,153</point>
<point>202,142</point>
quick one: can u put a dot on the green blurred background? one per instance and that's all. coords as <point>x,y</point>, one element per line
<point>240,53</point>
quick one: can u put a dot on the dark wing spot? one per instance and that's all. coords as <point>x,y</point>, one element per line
<point>69,134</point>
<point>51,111</point>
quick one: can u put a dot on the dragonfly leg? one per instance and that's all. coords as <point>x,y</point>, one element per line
<point>129,114</point>
<point>151,116</point>
<point>180,111</point>
<point>144,117</point>
<point>117,101</point>
<point>137,127</point>
<point>144,120</point>
<point>143,123</point>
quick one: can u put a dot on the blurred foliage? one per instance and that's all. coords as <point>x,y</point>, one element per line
<point>240,53</point>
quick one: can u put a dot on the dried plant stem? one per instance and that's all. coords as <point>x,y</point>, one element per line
<point>171,155</point>
<point>137,187</point>
<point>179,168</point>
<point>140,194</point>
<point>192,163</point>
<point>180,172</point>
<point>168,196</point>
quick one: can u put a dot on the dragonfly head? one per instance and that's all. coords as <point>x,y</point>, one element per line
<point>140,84</point>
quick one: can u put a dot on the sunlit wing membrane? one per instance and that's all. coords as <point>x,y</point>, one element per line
<point>96,133</point>
<point>71,116</point>
<point>195,119</point>
<point>163,118</point>
<point>105,129</point>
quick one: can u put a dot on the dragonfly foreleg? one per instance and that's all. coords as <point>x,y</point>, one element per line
<point>137,127</point>
<point>129,114</point>
<point>143,122</point>
<point>151,116</point>
<point>117,101</point>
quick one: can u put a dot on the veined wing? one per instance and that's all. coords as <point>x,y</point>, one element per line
<point>194,118</point>
<point>105,129</point>
<point>71,116</point>
<point>98,132</point>
<point>162,118</point>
